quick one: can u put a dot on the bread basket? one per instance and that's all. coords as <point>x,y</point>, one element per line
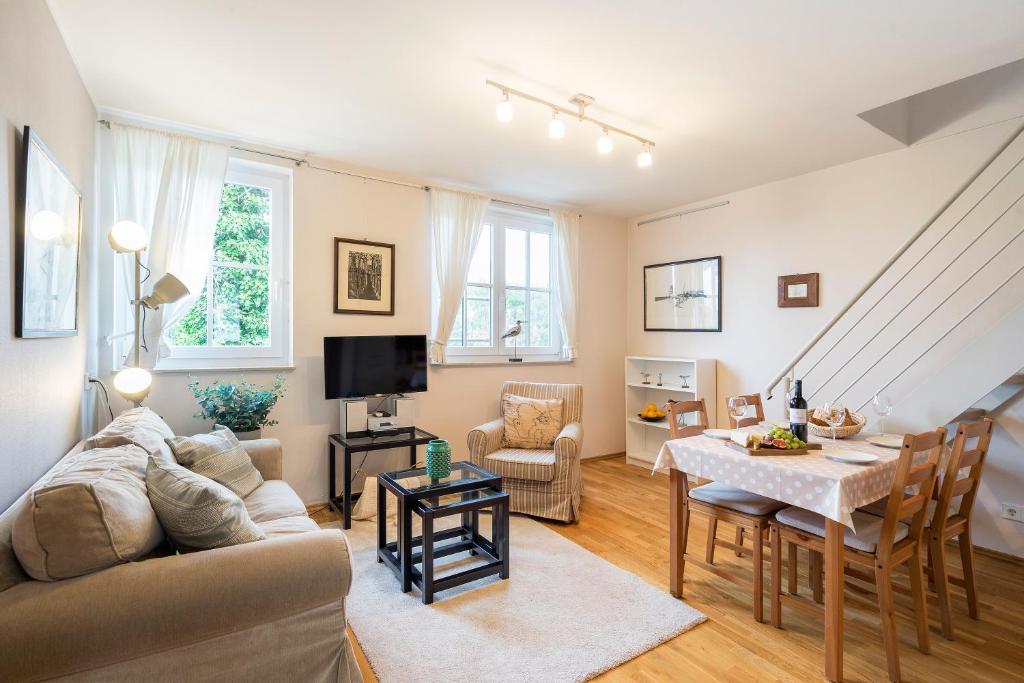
<point>853,423</point>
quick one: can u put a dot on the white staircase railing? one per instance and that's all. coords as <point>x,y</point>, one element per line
<point>788,372</point>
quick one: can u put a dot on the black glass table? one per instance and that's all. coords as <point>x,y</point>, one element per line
<point>468,490</point>
<point>359,442</point>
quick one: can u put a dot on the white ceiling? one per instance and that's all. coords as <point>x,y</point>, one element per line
<point>735,94</point>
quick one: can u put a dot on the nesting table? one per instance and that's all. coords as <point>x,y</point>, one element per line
<point>468,490</point>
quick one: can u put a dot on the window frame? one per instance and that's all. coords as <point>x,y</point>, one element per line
<point>278,179</point>
<point>501,219</point>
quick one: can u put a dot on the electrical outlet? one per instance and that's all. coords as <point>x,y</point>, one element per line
<point>1014,512</point>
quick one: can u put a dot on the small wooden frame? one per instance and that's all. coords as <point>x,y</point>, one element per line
<point>798,291</point>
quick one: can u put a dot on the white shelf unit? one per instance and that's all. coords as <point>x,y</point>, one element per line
<point>644,439</point>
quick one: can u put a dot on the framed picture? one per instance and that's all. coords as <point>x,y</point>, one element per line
<point>683,296</point>
<point>48,228</point>
<point>797,291</point>
<point>364,277</point>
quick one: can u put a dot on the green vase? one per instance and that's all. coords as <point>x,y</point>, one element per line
<point>439,459</point>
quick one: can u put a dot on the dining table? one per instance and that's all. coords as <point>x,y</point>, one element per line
<point>812,481</point>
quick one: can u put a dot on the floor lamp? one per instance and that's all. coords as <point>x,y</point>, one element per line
<point>128,237</point>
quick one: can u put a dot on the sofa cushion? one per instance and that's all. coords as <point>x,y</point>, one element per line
<point>522,463</point>
<point>91,514</point>
<point>140,426</point>
<point>531,422</point>
<point>865,538</point>
<point>288,525</point>
<point>274,500</point>
<point>196,512</point>
<point>219,456</point>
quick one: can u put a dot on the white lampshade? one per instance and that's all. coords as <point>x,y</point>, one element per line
<point>604,143</point>
<point>644,159</point>
<point>167,290</point>
<point>504,110</point>
<point>133,383</point>
<point>127,236</point>
<point>46,225</point>
<point>556,129</point>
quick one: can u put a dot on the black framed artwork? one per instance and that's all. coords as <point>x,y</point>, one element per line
<point>364,277</point>
<point>48,228</point>
<point>683,296</point>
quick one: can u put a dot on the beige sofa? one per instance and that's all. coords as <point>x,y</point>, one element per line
<point>272,610</point>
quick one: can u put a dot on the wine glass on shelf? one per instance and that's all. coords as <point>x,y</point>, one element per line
<point>737,408</point>
<point>882,406</point>
<point>834,413</point>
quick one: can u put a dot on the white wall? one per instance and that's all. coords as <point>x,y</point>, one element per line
<point>42,378</point>
<point>842,222</point>
<point>328,206</point>
<point>1002,482</point>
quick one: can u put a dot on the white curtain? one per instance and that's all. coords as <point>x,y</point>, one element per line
<point>170,185</point>
<point>456,222</point>
<point>567,247</point>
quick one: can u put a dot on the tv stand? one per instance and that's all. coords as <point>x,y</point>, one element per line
<point>364,442</point>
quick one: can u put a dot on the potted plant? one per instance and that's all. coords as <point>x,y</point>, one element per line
<point>241,406</point>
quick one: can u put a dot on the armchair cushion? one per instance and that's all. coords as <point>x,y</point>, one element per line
<point>522,463</point>
<point>531,422</point>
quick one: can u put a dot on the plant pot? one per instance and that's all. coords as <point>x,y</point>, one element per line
<point>249,436</point>
<point>439,459</point>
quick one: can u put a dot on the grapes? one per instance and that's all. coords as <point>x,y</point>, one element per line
<point>792,442</point>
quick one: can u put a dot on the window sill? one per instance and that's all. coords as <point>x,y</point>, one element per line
<point>240,368</point>
<point>488,363</point>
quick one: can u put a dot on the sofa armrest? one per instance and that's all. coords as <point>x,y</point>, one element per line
<point>140,608</point>
<point>569,442</point>
<point>266,456</point>
<point>485,439</point>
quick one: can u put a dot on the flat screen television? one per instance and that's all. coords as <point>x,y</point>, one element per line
<point>368,366</point>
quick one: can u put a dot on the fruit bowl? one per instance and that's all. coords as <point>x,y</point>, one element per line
<point>650,419</point>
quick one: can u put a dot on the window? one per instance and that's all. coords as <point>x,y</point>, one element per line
<point>242,316</point>
<point>510,278</point>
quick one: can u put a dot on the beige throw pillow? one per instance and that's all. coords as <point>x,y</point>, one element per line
<point>218,456</point>
<point>92,514</point>
<point>140,426</point>
<point>196,512</point>
<point>531,422</point>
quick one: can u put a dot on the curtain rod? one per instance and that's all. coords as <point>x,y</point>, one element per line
<point>683,213</point>
<point>304,162</point>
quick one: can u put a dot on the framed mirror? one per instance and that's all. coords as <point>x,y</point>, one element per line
<point>48,229</point>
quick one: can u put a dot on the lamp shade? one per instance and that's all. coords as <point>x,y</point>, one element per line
<point>127,236</point>
<point>167,290</point>
<point>133,383</point>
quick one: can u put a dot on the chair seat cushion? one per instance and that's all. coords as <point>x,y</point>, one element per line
<point>878,507</point>
<point>735,499</point>
<point>865,538</point>
<point>274,499</point>
<point>522,463</point>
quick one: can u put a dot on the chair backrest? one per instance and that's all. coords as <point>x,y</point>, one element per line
<point>676,418</point>
<point>752,400</point>
<point>571,395</point>
<point>963,457</point>
<point>907,474</point>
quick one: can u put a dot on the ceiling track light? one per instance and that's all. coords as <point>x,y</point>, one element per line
<point>556,127</point>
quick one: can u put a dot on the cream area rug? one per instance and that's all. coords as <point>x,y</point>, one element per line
<point>563,615</point>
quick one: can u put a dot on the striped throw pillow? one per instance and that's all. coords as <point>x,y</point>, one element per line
<point>218,456</point>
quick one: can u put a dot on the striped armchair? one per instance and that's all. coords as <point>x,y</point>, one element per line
<point>544,483</point>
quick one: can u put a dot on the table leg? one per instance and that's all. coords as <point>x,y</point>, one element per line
<point>834,587</point>
<point>428,558</point>
<point>405,543</point>
<point>347,490</point>
<point>331,475</point>
<point>506,558</point>
<point>382,518</point>
<point>412,457</point>
<point>678,522</point>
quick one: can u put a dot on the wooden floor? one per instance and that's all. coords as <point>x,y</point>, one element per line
<point>625,521</point>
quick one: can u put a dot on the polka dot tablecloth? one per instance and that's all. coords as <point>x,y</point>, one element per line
<point>833,489</point>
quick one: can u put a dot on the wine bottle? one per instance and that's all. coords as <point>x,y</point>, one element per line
<point>798,412</point>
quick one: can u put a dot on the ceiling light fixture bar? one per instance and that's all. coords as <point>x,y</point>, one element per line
<point>577,113</point>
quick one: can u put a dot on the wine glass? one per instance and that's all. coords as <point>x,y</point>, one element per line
<point>834,413</point>
<point>737,407</point>
<point>882,406</point>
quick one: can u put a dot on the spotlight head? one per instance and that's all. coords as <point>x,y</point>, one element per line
<point>604,143</point>
<point>645,159</point>
<point>504,109</point>
<point>556,129</point>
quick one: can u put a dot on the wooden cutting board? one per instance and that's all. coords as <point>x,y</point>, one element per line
<point>771,451</point>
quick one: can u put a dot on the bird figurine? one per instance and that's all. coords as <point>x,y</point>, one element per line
<point>513,334</point>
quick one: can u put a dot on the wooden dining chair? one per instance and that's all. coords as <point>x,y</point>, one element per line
<point>947,522</point>
<point>880,544</point>
<point>717,502</point>
<point>752,400</point>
